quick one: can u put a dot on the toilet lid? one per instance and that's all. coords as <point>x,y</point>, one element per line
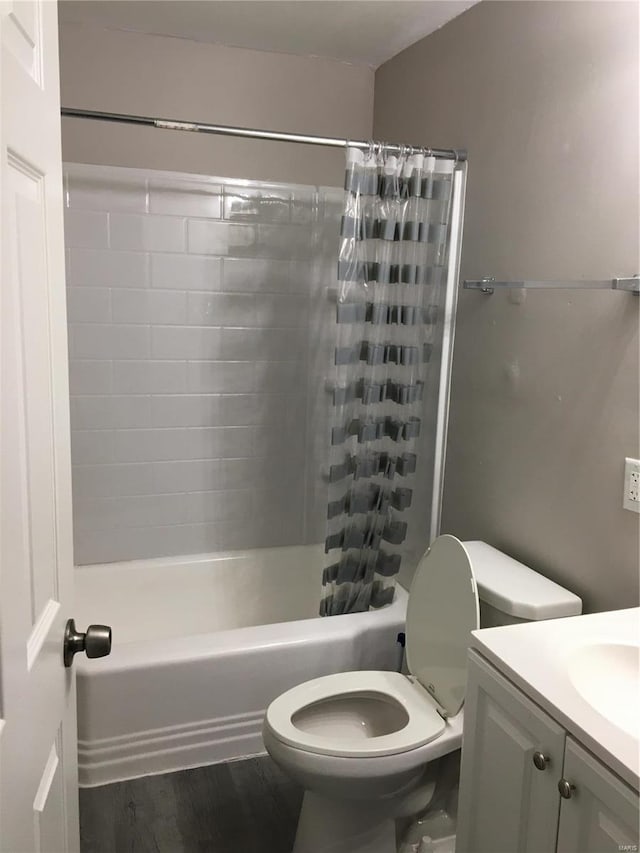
<point>441,613</point>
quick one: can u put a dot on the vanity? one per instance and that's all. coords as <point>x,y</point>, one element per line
<point>550,755</point>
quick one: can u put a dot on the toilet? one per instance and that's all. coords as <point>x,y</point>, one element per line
<point>360,742</point>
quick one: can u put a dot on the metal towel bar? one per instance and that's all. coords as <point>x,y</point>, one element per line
<point>487,285</point>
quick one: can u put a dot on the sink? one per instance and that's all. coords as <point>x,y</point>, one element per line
<point>607,676</point>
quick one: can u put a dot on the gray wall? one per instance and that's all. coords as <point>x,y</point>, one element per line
<point>128,72</point>
<point>545,391</point>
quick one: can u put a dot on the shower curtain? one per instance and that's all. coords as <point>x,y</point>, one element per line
<point>392,262</point>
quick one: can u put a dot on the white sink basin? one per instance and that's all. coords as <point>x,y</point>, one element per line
<point>607,676</point>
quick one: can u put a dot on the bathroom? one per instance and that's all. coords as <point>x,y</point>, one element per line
<point>200,297</point>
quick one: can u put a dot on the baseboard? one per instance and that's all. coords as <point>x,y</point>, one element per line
<point>179,747</point>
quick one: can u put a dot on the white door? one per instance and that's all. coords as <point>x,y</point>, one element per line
<point>602,813</point>
<point>507,803</point>
<point>38,774</point>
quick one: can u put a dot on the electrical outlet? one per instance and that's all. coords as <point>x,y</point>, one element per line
<point>631,496</point>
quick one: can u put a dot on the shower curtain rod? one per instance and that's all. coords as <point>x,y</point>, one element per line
<point>250,133</point>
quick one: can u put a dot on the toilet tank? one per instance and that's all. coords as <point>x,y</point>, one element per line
<point>510,592</point>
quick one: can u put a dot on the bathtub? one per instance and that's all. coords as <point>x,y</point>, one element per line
<point>201,645</point>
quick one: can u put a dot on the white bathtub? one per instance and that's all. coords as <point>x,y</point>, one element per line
<point>201,645</point>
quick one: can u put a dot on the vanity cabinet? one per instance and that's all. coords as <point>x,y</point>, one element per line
<point>514,755</point>
<point>602,813</point>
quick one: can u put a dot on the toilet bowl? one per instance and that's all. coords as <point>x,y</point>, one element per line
<point>359,742</point>
<point>357,734</point>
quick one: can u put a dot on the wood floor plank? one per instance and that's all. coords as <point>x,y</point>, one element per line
<point>247,806</point>
<point>270,803</point>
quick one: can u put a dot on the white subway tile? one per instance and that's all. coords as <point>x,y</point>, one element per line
<point>186,272</point>
<point>97,514</point>
<point>185,342</point>
<point>131,411</point>
<point>107,268</point>
<point>222,309</point>
<point>305,279</point>
<point>101,481</point>
<point>101,546</point>
<point>283,241</point>
<point>90,377</point>
<point>280,410</point>
<point>191,538</point>
<point>93,340</point>
<point>254,274</point>
<point>185,198</point>
<point>260,344</point>
<point>231,377</point>
<point>149,377</point>
<point>223,536</point>
<point>289,442</point>
<point>188,476</point>
<point>86,229</point>
<point>167,306</point>
<point>156,510</point>
<point>147,233</point>
<point>278,310</point>
<point>262,205</point>
<point>238,474</point>
<point>219,442</point>
<point>110,412</point>
<point>131,306</point>
<point>205,410</point>
<point>91,446</point>
<point>304,207</point>
<point>279,377</point>
<point>147,445</point>
<point>284,508</point>
<point>91,413</point>
<point>108,192</point>
<point>219,238</point>
<point>258,473</point>
<point>173,449</point>
<point>134,511</point>
<point>167,445</point>
<point>220,506</point>
<point>149,306</point>
<point>88,305</point>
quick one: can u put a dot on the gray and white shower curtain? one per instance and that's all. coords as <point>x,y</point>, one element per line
<point>392,262</point>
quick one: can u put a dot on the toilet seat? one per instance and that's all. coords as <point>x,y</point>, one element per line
<point>423,725</point>
<point>442,612</point>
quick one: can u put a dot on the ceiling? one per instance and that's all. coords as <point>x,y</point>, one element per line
<point>359,31</point>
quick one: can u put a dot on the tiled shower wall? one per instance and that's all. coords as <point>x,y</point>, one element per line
<point>199,337</point>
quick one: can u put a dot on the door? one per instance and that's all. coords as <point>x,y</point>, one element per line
<point>38,776</point>
<point>508,803</point>
<point>601,814</point>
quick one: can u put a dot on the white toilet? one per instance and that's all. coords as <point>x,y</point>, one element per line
<point>359,742</point>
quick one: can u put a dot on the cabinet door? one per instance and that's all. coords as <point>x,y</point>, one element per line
<point>602,812</point>
<point>506,804</point>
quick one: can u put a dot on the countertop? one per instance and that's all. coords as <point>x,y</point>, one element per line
<point>536,656</point>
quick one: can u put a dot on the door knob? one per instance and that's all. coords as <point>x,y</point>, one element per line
<point>96,643</point>
<point>566,788</point>
<point>540,760</point>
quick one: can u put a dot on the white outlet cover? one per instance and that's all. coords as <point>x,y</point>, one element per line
<point>631,494</point>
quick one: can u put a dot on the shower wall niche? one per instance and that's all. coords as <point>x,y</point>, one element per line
<point>199,338</point>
